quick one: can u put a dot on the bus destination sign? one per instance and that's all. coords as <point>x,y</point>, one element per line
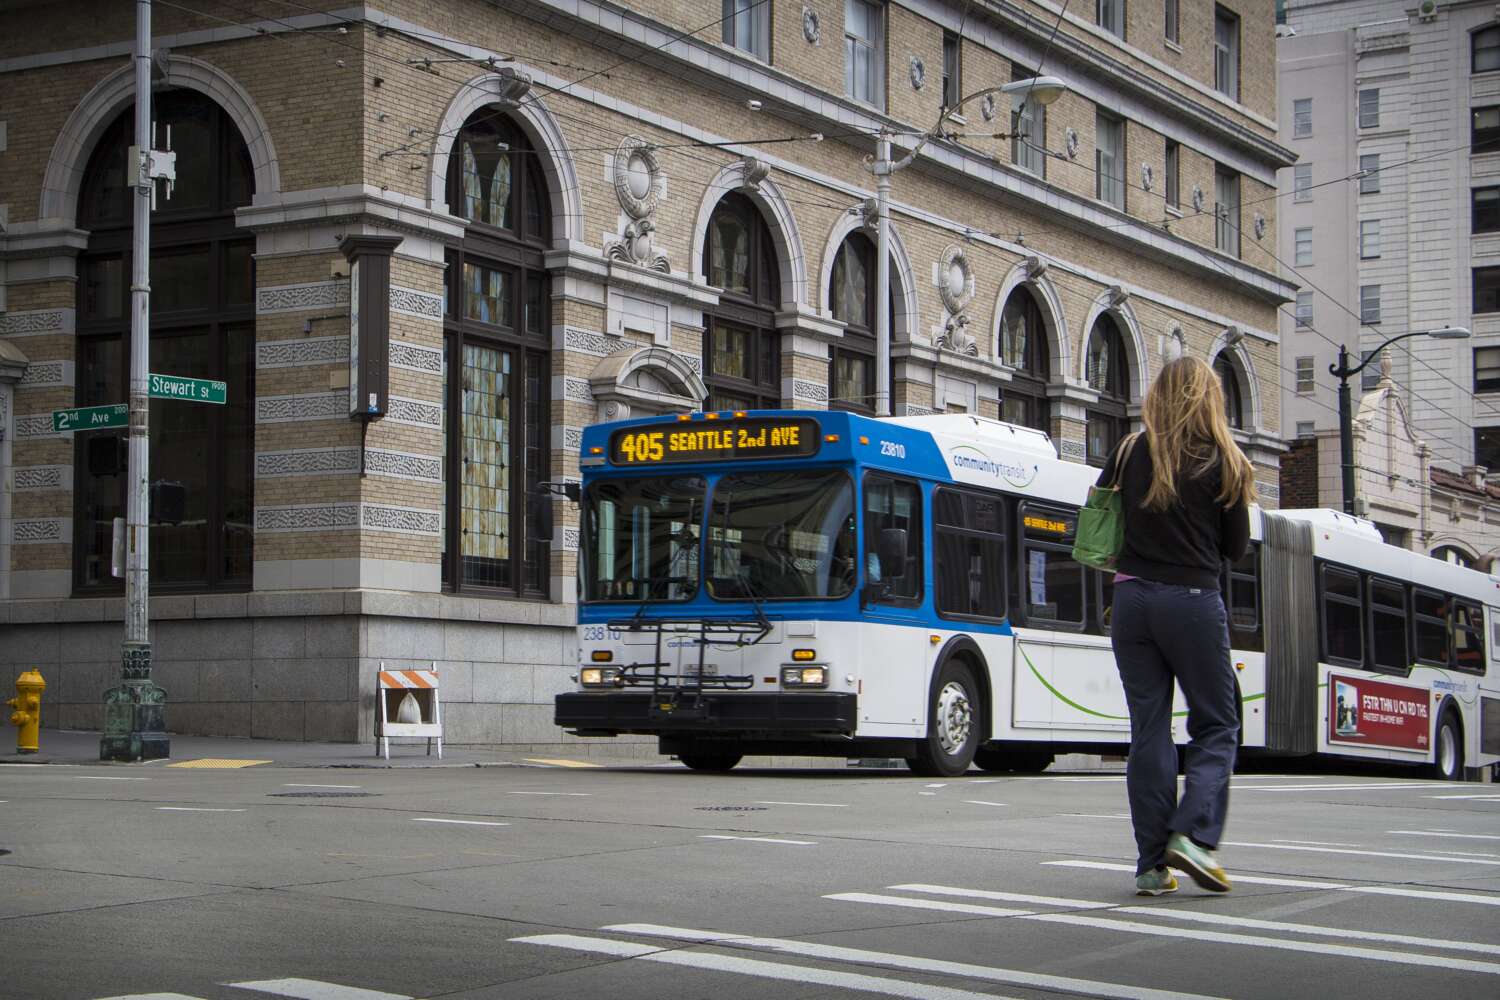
<point>715,442</point>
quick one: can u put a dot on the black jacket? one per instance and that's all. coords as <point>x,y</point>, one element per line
<point>1187,542</point>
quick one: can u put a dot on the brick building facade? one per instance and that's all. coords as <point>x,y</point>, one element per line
<point>602,211</point>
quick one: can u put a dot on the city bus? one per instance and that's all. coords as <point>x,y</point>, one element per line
<point>822,583</point>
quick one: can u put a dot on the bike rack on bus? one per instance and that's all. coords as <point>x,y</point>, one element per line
<point>684,698</point>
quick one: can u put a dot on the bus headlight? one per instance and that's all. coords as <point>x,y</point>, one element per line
<point>599,676</point>
<point>804,677</point>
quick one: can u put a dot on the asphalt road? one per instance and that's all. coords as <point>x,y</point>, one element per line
<point>656,882</point>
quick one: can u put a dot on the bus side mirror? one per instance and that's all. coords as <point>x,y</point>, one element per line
<point>891,547</point>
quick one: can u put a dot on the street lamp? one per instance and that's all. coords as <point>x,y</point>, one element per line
<point>1344,373</point>
<point>1041,89</point>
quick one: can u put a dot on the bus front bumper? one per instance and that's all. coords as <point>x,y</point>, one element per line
<point>772,712</point>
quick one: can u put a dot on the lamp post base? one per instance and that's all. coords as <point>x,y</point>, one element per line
<point>135,713</point>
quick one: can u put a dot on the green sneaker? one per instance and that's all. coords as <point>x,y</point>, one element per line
<point>1156,882</point>
<point>1199,863</point>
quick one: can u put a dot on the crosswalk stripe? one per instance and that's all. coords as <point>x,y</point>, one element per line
<point>1344,787</point>
<point>756,967</point>
<point>1290,883</point>
<point>1313,930</point>
<point>1256,941</point>
<point>1008,897</point>
<point>1444,833</point>
<point>312,989</point>
<point>912,963</point>
<point>155,996</point>
<point>1366,854</point>
<point>925,904</point>
<point>1481,798</point>
<point>457,822</point>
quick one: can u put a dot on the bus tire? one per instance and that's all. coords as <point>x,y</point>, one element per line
<point>954,724</point>
<point>711,758</point>
<point>1448,749</point>
<point>1012,761</point>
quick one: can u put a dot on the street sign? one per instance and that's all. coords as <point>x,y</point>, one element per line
<point>194,390</point>
<point>91,418</point>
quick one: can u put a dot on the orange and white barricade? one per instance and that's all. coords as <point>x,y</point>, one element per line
<point>411,709</point>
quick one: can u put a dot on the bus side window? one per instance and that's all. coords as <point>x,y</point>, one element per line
<point>969,558</point>
<point>1342,617</point>
<point>1051,582</point>
<point>1389,645</point>
<point>894,503</point>
<point>1468,637</point>
<point>1242,600</point>
<point>1430,621</point>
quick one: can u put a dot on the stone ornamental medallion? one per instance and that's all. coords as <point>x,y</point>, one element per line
<point>918,73</point>
<point>1260,225</point>
<point>1197,198</point>
<point>638,183</point>
<point>987,107</point>
<point>812,28</point>
<point>1070,144</point>
<point>1146,176</point>
<point>956,289</point>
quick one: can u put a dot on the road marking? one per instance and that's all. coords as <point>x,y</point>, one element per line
<point>1046,777</point>
<point>584,794</point>
<point>1367,786</point>
<point>1014,977</point>
<point>820,805</point>
<point>1445,833</point>
<point>298,784</point>
<point>1366,854</point>
<point>1317,843</point>
<point>981,802</point>
<point>1008,897</point>
<point>218,763</point>
<point>1247,879</point>
<point>195,809</point>
<point>926,904</point>
<point>927,793</point>
<point>758,840</point>
<point>1313,930</point>
<point>457,822</point>
<point>1471,854</point>
<point>154,996</point>
<point>101,777</point>
<point>1254,940</point>
<point>756,967</point>
<point>1098,815</point>
<point>1481,798</point>
<point>312,989</point>
<point>1372,890</point>
<point>556,762</point>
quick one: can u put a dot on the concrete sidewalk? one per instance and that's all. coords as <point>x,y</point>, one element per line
<point>61,746</point>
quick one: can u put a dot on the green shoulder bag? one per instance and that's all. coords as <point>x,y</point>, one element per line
<point>1101,521</point>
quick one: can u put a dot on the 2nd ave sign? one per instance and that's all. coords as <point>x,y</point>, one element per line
<point>91,418</point>
<point>194,390</point>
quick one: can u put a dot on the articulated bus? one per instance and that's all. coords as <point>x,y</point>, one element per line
<point>822,583</point>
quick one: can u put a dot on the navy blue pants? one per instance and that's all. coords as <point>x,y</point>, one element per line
<point>1163,632</point>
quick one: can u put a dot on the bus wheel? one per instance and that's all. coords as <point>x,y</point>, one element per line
<point>1012,761</point>
<point>711,758</point>
<point>953,725</point>
<point>1448,761</point>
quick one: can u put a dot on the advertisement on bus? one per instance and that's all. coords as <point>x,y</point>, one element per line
<point>1378,714</point>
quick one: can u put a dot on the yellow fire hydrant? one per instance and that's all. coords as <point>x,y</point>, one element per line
<point>27,716</point>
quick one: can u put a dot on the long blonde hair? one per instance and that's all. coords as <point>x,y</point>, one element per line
<point>1189,433</point>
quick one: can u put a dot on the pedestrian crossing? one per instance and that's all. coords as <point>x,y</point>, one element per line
<point>296,989</point>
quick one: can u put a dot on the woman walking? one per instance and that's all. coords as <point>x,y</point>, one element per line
<point>1185,487</point>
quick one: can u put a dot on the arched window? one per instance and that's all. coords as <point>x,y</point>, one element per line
<point>1109,375</point>
<point>497,333</point>
<point>202,325</point>
<point>1484,48</point>
<point>851,297</point>
<point>744,364</point>
<point>1229,381</point>
<point>1453,554</point>
<point>1023,348</point>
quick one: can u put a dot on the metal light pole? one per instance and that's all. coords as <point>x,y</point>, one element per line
<point>1346,417</point>
<point>135,712</point>
<point>1041,89</point>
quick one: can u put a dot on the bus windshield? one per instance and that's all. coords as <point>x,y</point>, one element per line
<point>641,539</point>
<point>780,535</point>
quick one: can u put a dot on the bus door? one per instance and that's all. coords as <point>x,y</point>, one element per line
<point>893,650</point>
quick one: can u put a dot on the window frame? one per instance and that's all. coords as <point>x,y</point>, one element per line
<point>1114,396</point>
<point>1490,33</point>
<point>1227,56</point>
<point>1172,22</point>
<point>1304,318</point>
<point>1227,235</point>
<point>1311,372</point>
<point>916,554</point>
<point>1109,15</point>
<point>1325,597</point>
<point>1172,168</point>
<point>876,45</point>
<point>1420,619</point>
<point>1107,183</point>
<point>1477,632</point>
<point>1302,182</point>
<point>1369,305</point>
<point>1369,239</point>
<point>1031,378</point>
<point>1375,609</point>
<point>760,17</point>
<point>1024,546</point>
<point>1367,110</point>
<point>1030,156</point>
<point>1491,214</point>
<point>953,71</point>
<point>754,310</point>
<point>1484,139</point>
<point>1486,283</point>
<point>1369,176</point>
<point>1298,245</point>
<point>1302,120</point>
<point>1490,449</point>
<point>1229,381</point>
<point>959,530</point>
<point>1492,383</point>
<point>859,339</point>
<point>1252,636</point>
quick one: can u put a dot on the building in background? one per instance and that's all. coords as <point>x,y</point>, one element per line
<point>588,211</point>
<point>1391,215</point>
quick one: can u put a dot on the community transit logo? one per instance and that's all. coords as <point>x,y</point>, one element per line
<point>971,459</point>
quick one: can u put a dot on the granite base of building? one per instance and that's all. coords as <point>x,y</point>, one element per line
<point>302,665</point>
